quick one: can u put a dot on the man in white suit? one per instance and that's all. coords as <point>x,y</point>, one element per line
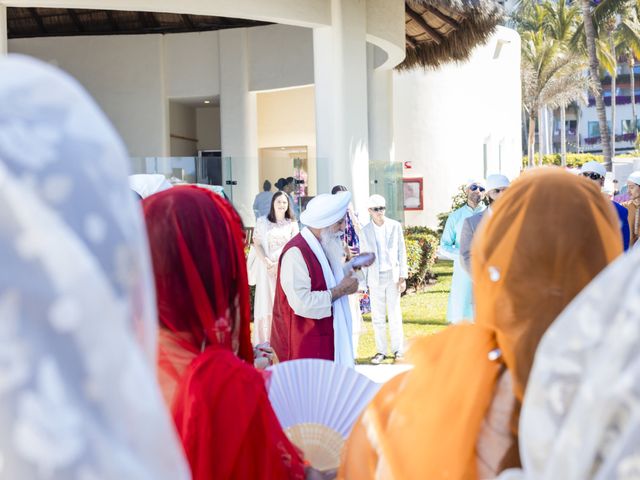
<point>386,278</point>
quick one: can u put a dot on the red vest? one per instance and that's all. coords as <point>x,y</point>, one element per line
<point>293,336</point>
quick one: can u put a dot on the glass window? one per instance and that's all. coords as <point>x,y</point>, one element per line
<point>593,129</point>
<point>627,126</point>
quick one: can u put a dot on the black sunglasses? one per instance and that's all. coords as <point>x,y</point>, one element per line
<point>592,175</point>
<point>474,187</point>
<point>379,209</point>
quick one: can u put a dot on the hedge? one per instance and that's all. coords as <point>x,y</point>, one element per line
<point>574,160</point>
<point>422,246</point>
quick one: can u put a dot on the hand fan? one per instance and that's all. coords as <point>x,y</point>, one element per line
<point>317,403</point>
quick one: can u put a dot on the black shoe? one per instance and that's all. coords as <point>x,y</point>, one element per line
<point>377,359</point>
<point>398,357</point>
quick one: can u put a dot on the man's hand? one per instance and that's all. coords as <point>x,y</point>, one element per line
<point>402,285</point>
<point>347,286</point>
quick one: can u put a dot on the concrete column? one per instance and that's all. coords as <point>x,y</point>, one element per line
<point>4,48</point>
<point>238,120</point>
<point>380,102</point>
<point>340,68</point>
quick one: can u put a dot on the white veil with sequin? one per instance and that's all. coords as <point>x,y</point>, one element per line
<point>78,394</point>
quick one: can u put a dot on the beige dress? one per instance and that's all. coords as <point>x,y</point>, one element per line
<point>272,237</point>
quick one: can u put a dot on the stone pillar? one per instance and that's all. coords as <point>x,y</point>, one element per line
<point>340,69</point>
<point>4,48</point>
<point>238,121</point>
<point>380,101</point>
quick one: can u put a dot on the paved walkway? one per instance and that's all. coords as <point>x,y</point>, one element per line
<point>382,373</point>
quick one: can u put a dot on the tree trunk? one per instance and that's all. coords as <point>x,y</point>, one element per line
<point>594,73</point>
<point>632,78</point>
<point>578,130</point>
<point>531,144</point>
<point>541,146</point>
<point>614,84</point>
<point>563,135</point>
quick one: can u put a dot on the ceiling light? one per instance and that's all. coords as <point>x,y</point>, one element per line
<point>207,101</point>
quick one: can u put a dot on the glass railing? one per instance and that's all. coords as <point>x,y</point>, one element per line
<point>386,179</point>
<point>232,175</point>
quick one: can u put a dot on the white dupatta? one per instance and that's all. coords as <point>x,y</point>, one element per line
<point>78,391</point>
<point>343,350</point>
<point>581,413</point>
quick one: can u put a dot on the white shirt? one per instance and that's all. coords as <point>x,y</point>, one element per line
<point>296,283</point>
<point>382,241</point>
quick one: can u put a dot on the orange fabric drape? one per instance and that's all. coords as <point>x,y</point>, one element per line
<point>549,235</point>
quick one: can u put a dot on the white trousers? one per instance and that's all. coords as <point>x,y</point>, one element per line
<point>356,321</point>
<point>385,300</point>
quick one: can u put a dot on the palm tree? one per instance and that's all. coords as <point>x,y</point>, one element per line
<point>552,76</point>
<point>627,37</point>
<point>551,71</point>
<point>560,23</point>
<point>594,72</point>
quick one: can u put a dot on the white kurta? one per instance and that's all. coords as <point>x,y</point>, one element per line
<point>296,284</point>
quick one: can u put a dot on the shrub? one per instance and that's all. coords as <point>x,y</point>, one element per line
<point>457,201</point>
<point>422,246</point>
<point>574,160</point>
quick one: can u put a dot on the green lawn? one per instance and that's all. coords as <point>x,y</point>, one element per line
<point>423,313</point>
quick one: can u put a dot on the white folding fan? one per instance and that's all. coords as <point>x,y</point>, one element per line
<point>317,403</point>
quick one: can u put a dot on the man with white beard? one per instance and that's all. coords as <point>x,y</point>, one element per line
<point>311,317</point>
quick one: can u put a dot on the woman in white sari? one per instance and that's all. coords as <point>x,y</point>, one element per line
<point>78,396</point>
<point>581,413</point>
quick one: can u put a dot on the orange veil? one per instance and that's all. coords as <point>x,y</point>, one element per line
<point>546,239</point>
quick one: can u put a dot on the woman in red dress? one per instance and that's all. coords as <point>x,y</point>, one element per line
<point>217,398</point>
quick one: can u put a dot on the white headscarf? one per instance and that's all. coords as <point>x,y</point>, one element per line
<point>78,396</point>
<point>146,184</point>
<point>581,414</point>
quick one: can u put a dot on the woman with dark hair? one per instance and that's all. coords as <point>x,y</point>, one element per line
<point>218,399</point>
<point>270,236</point>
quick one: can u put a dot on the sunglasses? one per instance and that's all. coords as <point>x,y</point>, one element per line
<point>474,187</point>
<point>379,209</point>
<point>592,175</point>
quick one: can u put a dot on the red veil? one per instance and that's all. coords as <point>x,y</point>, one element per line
<point>219,402</point>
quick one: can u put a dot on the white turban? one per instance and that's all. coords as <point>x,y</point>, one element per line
<point>634,178</point>
<point>325,210</point>
<point>594,167</point>
<point>146,184</point>
<point>472,181</point>
<point>497,181</point>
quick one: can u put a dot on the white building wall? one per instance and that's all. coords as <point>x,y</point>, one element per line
<point>182,125</point>
<point>445,118</point>
<point>124,76</point>
<point>192,65</point>
<point>286,118</point>
<point>281,57</point>
<point>208,128</point>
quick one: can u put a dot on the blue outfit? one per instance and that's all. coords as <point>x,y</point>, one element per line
<point>623,214</point>
<point>460,299</point>
<point>351,237</point>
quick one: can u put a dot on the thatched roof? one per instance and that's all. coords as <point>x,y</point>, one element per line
<point>440,31</point>
<point>437,31</point>
<point>52,22</point>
